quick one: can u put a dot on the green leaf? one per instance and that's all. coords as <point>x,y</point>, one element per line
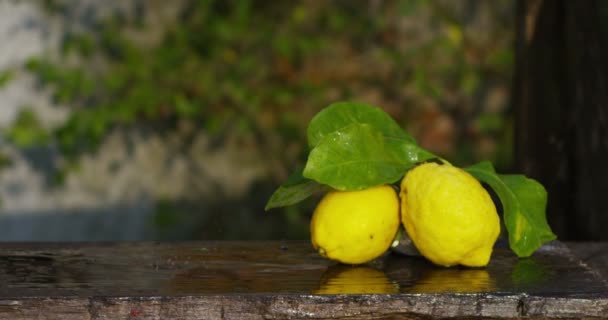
<point>359,156</point>
<point>294,190</point>
<point>354,146</point>
<point>530,227</point>
<point>524,203</point>
<point>340,115</point>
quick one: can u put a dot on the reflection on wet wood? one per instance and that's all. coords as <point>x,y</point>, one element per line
<point>260,280</point>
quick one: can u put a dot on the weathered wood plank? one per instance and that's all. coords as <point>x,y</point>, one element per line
<point>400,306</point>
<point>284,280</point>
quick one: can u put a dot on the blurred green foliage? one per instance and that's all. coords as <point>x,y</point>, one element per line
<point>215,66</point>
<point>5,160</point>
<point>261,69</point>
<point>27,129</point>
<point>5,77</point>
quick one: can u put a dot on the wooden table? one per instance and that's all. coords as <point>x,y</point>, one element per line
<point>288,280</point>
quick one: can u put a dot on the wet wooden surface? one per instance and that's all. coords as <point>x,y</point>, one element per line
<point>288,280</point>
<point>594,254</point>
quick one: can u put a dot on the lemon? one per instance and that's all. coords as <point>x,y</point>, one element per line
<point>449,216</point>
<point>355,227</point>
<point>341,279</point>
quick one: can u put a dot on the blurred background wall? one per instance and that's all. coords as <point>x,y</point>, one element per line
<point>141,120</point>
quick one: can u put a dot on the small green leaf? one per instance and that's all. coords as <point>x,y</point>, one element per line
<point>294,190</point>
<point>340,115</point>
<point>359,156</point>
<point>524,202</point>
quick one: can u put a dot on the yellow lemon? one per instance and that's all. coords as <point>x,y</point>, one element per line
<point>449,216</point>
<point>355,227</point>
<point>341,279</point>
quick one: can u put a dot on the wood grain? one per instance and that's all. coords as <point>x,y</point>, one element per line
<point>285,280</point>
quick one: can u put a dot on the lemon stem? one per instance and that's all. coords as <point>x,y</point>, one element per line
<point>322,252</point>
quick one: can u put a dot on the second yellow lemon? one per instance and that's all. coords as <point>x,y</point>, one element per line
<point>448,215</point>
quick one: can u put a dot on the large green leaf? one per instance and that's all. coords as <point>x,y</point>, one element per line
<point>294,190</point>
<point>359,156</point>
<point>340,115</point>
<point>524,204</point>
